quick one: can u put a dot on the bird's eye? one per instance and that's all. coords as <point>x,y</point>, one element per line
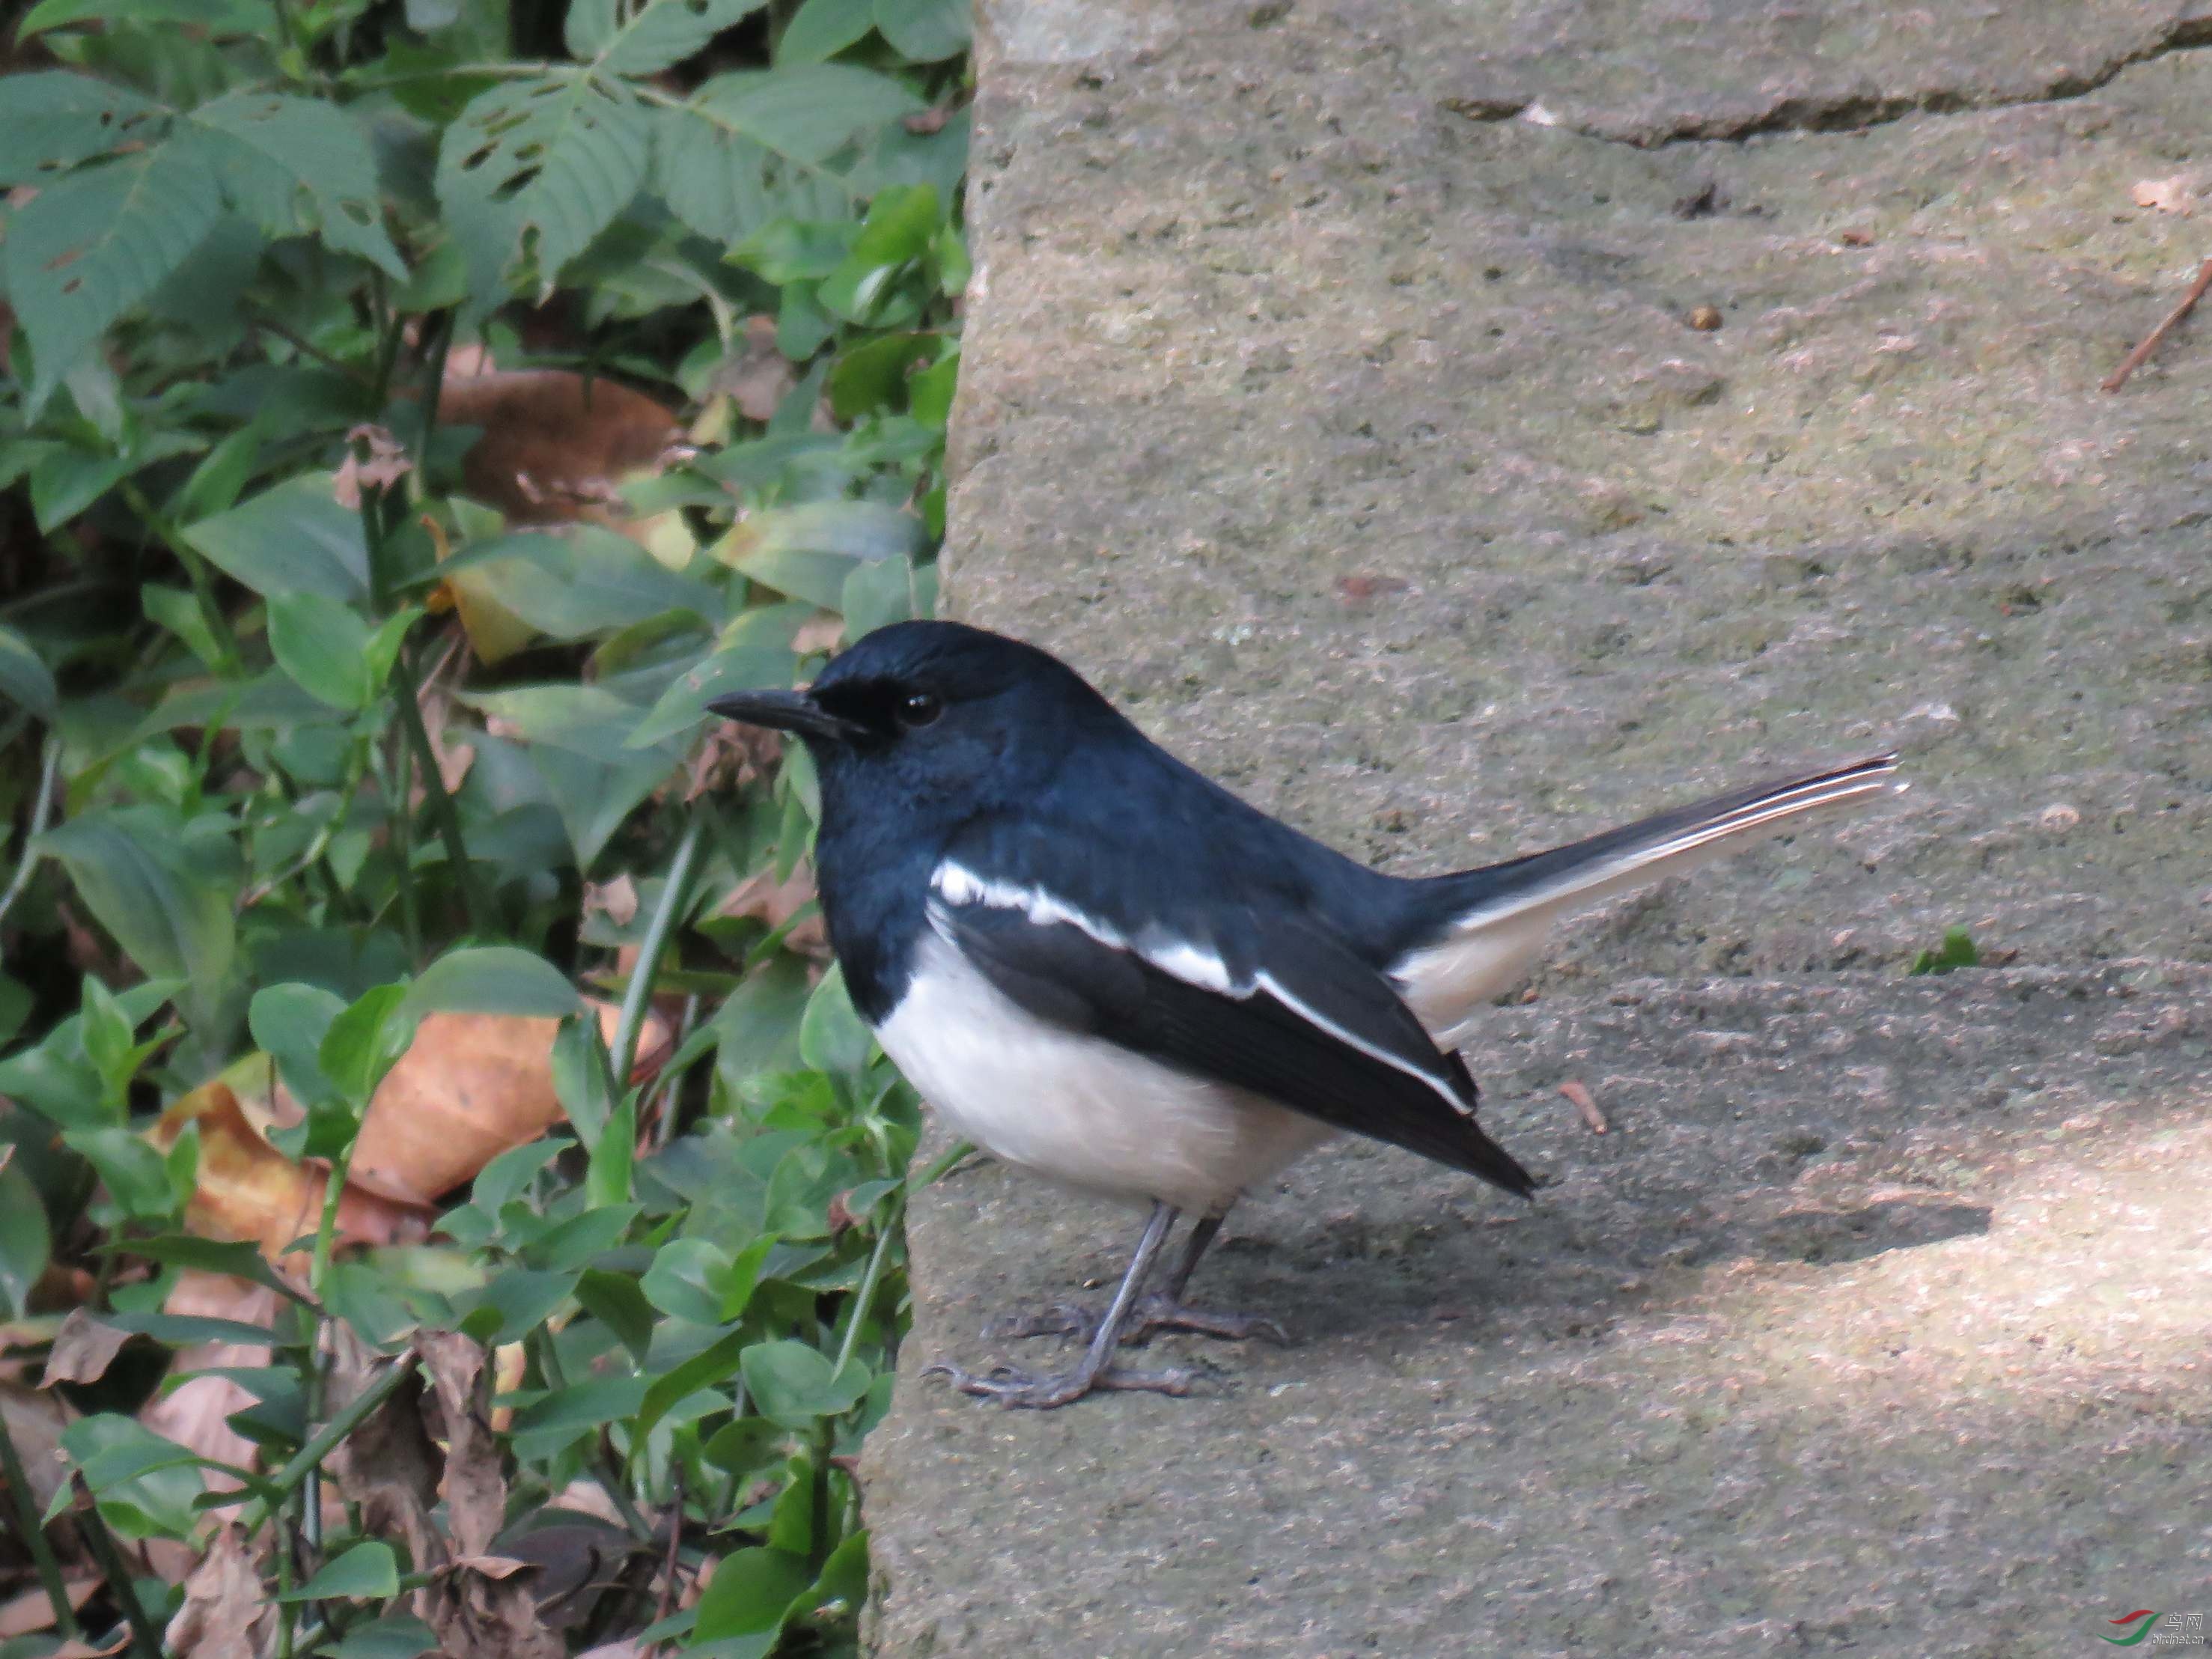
<point>920,707</point>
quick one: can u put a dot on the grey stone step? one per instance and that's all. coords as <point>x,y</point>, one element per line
<point>1365,449</point>
<point>1331,396</point>
<point>1876,1322</point>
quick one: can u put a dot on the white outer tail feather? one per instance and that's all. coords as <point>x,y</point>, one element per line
<point>1491,945</point>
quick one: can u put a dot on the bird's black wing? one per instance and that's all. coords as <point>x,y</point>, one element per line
<point>1271,1004</point>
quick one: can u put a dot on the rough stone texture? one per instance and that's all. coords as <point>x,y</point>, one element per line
<point>1877,1323</point>
<point>1331,397</point>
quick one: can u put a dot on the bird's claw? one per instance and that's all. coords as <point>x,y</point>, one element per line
<point>1018,1389</point>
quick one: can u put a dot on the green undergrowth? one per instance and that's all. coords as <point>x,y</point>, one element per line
<point>311,738</point>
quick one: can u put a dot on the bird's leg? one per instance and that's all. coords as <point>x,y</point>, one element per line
<point>1009,1386</point>
<point>1165,1309</point>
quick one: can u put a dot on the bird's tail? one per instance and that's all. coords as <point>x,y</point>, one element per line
<point>1476,933</point>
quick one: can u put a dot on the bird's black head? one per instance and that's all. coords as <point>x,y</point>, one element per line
<point>934,710</point>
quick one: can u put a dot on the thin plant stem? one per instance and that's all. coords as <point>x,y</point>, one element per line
<point>866,1293</point>
<point>42,809</point>
<point>445,816</point>
<point>675,894</point>
<point>145,1637</point>
<point>34,1535</point>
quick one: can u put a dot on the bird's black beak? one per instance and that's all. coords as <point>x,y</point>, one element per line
<point>786,711</point>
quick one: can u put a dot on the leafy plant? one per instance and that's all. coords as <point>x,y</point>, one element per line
<point>360,592</point>
<point>1958,950</point>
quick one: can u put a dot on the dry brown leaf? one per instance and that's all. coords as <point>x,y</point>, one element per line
<point>774,903</point>
<point>733,758</point>
<point>385,464</point>
<point>818,633</point>
<point>554,443</point>
<point>508,1366</point>
<point>759,377</point>
<point>2171,195</point>
<point>476,1488</point>
<point>74,1649</point>
<point>246,1189</point>
<point>471,1086</point>
<point>197,1412</point>
<point>625,1649</point>
<point>617,899</point>
<point>31,1612</point>
<point>388,1465</point>
<point>84,1348</point>
<point>227,1613</point>
<point>35,1421</point>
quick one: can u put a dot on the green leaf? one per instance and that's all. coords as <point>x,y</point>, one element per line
<point>177,610</point>
<point>322,645</point>
<point>586,1405</point>
<point>874,374</point>
<point>1958,950</point>
<point>639,36</point>
<point>216,17</point>
<point>135,1176</point>
<point>709,1366</point>
<point>297,165</point>
<point>516,1300</point>
<point>367,1041</point>
<point>24,679</point>
<point>807,552</point>
<point>805,112</point>
<point>25,1244</point>
<point>832,1038</point>
<point>210,1255</point>
<point>368,1572</point>
<point>294,539</point>
<point>616,1302</point>
<point>752,1593</point>
<point>494,979</point>
<point>927,31</point>
<point>94,243</point>
<point>685,1280</point>
<point>395,1636</point>
<point>683,705</point>
<point>876,595</point>
<point>56,119</point>
<point>901,223</point>
<point>607,1177</point>
<point>793,1384</point>
<point>583,1075</point>
<point>731,187</point>
<point>823,29</point>
<point>539,165</point>
<point>291,1022</point>
<point>165,897</point>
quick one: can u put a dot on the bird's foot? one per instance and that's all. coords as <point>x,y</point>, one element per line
<point>1154,1313</point>
<point>1017,1389</point>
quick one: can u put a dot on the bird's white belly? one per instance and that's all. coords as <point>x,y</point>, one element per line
<point>1079,1109</point>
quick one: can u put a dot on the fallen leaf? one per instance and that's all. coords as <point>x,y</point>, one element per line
<point>388,1466</point>
<point>476,1615</point>
<point>508,1367</point>
<point>2171,195</point>
<point>818,633</point>
<point>246,1189</point>
<point>1354,589</point>
<point>553,442</point>
<point>385,463</point>
<point>922,122</point>
<point>616,900</point>
<point>197,1413</point>
<point>31,1612</point>
<point>762,898</point>
<point>227,1613</point>
<point>475,1487</point>
<point>470,1087</point>
<point>35,1421</point>
<point>83,1347</point>
<point>733,758</point>
<point>1705,318</point>
<point>757,379</point>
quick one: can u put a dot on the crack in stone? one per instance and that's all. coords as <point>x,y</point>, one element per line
<point>1845,111</point>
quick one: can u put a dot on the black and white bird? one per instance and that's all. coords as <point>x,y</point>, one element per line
<point>1101,966</point>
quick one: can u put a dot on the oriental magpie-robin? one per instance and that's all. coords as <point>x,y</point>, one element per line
<point>1102,966</point>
